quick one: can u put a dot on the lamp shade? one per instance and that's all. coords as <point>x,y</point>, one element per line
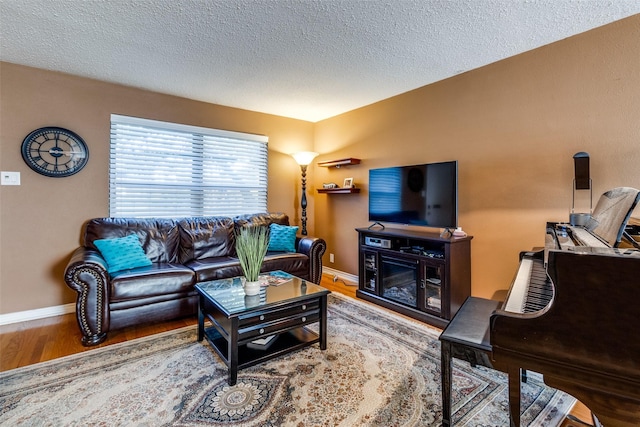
<point>303,158</point>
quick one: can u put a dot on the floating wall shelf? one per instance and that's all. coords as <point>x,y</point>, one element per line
<point>338,190</point>
<point>339,163</point>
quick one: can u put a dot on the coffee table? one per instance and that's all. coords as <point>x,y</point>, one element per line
<point>240,323</point>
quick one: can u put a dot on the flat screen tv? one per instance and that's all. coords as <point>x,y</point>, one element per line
<point>424,195</point>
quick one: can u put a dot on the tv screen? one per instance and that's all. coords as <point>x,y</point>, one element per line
<point>425,195</point>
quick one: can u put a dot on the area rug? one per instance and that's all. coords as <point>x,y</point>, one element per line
<point>379,370</point>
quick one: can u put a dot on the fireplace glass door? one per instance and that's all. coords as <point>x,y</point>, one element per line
<point>398,280</point>
<point>432,277</point>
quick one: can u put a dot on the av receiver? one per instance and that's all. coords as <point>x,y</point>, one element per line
<point>378,243</point>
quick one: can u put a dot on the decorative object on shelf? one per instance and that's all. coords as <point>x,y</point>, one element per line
<point>330,185</point>
<point>348,187</point>
<point>251,246</point>
<point>458,232</point>
<point>55,152</point>
<point>303,158</point>
<point>262,343</point>
<point>339,163</point>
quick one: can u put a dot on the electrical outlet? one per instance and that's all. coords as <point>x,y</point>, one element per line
<point>331,258</point>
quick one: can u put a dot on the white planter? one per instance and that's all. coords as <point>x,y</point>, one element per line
<point>252,288</point>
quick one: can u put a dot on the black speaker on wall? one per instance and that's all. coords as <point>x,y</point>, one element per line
<point>581,162</point>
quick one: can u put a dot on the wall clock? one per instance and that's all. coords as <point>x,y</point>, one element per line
<point>55,152</point>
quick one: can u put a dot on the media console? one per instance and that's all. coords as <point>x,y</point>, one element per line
<point>418,274</point>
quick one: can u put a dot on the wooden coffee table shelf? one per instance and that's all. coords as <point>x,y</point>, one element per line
<point>285,343</point>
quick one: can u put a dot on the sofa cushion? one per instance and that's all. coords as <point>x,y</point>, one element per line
<point>205,237</point>
<point>159,237</point>
<point>157,279</point>
<point>149,310</point>
<point>292,263</point>
<point>264,219</point>
<point>122,253</point>
<point>223,267</point>
<point>282,238</point>
<point>214,268</point>
<point>156,299</point>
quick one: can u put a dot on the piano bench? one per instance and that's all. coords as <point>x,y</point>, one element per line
<point>466,338</point>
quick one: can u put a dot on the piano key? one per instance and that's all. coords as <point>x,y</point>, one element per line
<point>531,289</point>
<point>515,301</point>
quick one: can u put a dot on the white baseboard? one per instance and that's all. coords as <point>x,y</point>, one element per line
<point>39,313</point>
<point>341,274</point>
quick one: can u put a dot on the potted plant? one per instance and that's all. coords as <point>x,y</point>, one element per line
<point>251,247</point>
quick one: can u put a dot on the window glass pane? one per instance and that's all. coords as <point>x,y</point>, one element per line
<point>160,169</point>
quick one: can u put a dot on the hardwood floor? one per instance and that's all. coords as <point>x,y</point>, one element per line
<point>26,343</point>
<point>45,339</point>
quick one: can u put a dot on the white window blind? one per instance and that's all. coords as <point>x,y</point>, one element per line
<point>160,169</point>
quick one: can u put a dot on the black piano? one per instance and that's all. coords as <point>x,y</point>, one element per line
<point>572,314</point>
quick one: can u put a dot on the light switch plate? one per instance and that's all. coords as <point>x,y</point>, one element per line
<point>9,178</point>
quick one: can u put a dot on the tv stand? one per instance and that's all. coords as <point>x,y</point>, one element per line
<point>374,224</point>
<point>420,274</point>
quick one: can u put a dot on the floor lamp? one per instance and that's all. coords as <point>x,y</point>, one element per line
<point>303,158</point>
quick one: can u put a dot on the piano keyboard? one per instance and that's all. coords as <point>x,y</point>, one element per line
<point>531,289</point>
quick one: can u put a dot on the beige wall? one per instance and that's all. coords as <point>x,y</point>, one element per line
<point>514,127</point>
<point>40,220</point>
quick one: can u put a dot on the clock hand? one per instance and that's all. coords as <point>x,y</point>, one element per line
<point>66,153</point>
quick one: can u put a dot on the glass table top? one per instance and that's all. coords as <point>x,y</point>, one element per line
<point>276,287</point>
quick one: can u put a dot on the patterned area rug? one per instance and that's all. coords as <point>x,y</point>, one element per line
<point>379,370</point>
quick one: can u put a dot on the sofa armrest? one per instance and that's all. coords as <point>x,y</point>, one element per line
<point>86,273</point>
<point>314,248</point>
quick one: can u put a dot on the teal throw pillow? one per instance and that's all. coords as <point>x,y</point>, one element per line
<point>282,238</point>
<point>122,253</point>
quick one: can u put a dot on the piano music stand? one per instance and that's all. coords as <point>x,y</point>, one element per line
<point>612,212</point>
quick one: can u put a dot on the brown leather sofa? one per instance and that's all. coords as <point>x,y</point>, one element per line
<point>183,252</point>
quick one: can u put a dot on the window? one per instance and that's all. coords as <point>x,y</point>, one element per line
<point>160,169</point>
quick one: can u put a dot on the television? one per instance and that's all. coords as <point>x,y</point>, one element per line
<point>423,195</point>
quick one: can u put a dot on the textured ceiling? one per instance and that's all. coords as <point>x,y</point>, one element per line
<point>303,59</point>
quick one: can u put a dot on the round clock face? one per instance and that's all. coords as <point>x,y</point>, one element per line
<point>55,152</point>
